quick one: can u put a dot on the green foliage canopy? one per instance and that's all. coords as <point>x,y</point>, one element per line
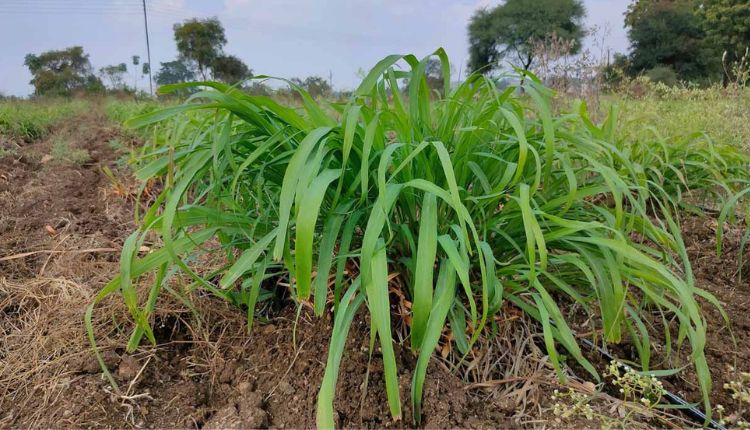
<point>173,72</point>
<point>200,41</point>
<point>60,73</point>
<point>114,74</point>
<point>314,85</point>
<point>512,27</point>
<point>727,26</point>
<point>230,69</point>
<point>667,33</point>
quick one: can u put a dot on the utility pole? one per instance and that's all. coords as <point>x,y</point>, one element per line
<point>148,51</point>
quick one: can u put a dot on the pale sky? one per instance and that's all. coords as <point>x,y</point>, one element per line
<point>285,38</point>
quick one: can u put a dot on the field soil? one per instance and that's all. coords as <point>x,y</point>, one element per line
<point>62,224</point>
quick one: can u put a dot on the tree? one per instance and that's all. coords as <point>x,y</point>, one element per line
<point>115,75</point>
<point>315,85</point>
<point>433,75</point>
<point>174,72</point>
<point>512,28</point>
<point>727,27</point>
<point>667,33</point>
<point>200,41</point>
<point>62,72</point>
<point>230,69</point>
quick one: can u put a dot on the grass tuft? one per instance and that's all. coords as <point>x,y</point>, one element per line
<point>461,203</point>
<point>64,152</point>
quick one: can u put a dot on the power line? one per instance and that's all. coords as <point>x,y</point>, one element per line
<point>132,3</point>
<point>74,11</point>
<point>45,6</point>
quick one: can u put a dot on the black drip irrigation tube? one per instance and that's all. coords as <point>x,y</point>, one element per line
<point>693,412</point>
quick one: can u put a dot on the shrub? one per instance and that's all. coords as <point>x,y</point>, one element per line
<point>662,75</point>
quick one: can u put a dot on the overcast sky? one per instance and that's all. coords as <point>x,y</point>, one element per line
<point>286,38</point>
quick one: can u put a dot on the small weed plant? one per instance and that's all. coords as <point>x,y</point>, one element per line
<point>635,386</point>
<point>8,152</point>
<point>33,120</point>
<point>739,389</point>
<point>64,152</point>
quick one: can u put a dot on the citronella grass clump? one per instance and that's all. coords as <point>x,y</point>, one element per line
<point>458,202</point>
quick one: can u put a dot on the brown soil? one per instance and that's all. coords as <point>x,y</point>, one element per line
<point>206,371</point>
<point>720,276</point>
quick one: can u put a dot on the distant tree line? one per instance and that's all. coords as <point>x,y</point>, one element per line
<point>671,40</point>
<point>62,73</point>
<point>687,39</point>
<point>200,46</point>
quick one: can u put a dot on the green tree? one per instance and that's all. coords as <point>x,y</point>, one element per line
<point>230,69</point>
<point>315,85</point>
<point>174,72</point>
<point>61,73</point>
<point>727,27</point>
<point>115,75</point>
<point>511,29</point>
<point>200,41</point>
<point>433,75</point>
<point>667,33</point>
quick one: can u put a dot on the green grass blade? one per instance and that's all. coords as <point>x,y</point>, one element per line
<point>424,268</point>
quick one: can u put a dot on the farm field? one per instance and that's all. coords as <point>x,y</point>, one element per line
<point>233,214</point>
<point>76,185</point>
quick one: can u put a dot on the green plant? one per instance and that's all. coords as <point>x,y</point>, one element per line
<point>62,73</point>
<point>668,36</point>
<point>571,403</point>
<point>33,120</point>
<point>509,31</point>
<point>475,198</point>
<point>662,75</point>
<point>740,391</point>
<point>635,386</point>
<point>662,112</point>
<point>121,110</point>
<point>7,152</point>
<point>64,152</point>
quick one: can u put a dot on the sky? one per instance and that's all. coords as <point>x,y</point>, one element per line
<point>284,38</point>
